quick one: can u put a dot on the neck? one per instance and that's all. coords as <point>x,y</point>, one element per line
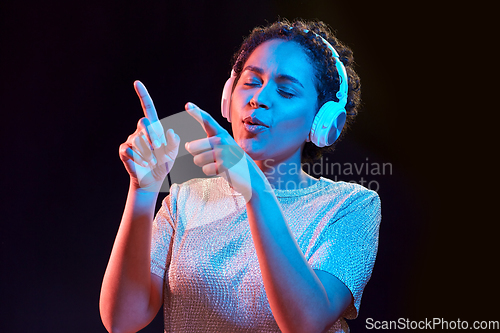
<point>286,174</point>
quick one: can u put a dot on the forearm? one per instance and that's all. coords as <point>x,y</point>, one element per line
<point>297,298</point>
<point>126,288</point>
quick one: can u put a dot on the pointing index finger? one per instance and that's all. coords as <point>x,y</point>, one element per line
<point>147,103</point>
<point>208,123</point>
<point>155,129</point>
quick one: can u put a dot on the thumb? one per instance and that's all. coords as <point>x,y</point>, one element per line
<point>208,123</point>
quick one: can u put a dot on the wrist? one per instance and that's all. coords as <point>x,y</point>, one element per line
<point>260,184</point>
<point>151,188</point>
<point>149,191</point>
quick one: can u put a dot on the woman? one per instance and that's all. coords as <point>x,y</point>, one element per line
<point>265,247</point>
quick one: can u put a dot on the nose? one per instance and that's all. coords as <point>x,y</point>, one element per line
<point>261,98</point>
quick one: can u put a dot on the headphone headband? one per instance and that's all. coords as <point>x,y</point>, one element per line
<point>342,93</point>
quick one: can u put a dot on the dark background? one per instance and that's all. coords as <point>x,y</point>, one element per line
<point>67,101</point>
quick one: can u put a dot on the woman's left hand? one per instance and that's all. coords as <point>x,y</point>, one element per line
<point>219,154</point>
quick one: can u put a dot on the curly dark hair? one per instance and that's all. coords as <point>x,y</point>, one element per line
<point>327,79</point>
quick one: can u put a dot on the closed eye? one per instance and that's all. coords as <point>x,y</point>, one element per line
<point>286,94</point>
<point>251,84</point>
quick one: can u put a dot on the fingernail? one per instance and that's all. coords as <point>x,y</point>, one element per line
<point>145,164</point>
<point>186,146</point>
<point>190,105</point>
<point>156,144</point>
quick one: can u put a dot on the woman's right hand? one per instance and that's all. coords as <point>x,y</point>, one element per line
<point>147,154</point>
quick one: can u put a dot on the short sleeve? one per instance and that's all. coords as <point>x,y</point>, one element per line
<point>349,245</point>
<point>163,230</point>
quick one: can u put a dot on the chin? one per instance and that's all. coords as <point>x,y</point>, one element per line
<point>256,156</point>
<point>252,148</point>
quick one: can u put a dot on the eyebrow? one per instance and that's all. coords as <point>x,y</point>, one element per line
<point>260,71</point>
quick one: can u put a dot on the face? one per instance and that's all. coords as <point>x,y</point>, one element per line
<point>274,102</point>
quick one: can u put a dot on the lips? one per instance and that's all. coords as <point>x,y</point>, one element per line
<point>254,125</point>
<point>254,121</point>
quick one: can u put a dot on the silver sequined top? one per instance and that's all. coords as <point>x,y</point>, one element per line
<point>203,248</point>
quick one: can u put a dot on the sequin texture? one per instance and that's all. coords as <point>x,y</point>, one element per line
<point>203,248</point>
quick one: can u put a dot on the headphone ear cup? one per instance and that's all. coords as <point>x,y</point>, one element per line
<point>327,124</point>
<point>226,98</point>
<point>339,124</point>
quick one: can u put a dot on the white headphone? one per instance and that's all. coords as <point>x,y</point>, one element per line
<point>329,120</point>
